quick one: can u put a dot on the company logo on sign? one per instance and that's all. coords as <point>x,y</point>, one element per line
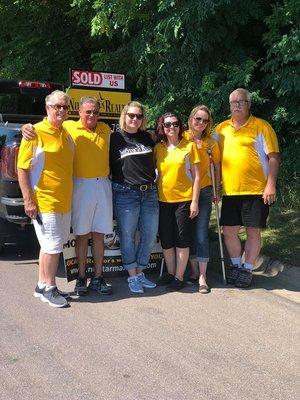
<point>111,102</point>
<point>97,79</point>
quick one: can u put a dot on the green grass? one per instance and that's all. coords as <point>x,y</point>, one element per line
<point>281,239</point>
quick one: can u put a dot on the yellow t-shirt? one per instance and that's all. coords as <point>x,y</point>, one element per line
<point>49,157</point>
<point>204,144</point>
<point>91,158</point>
<point>245,163</point>
<point>174,181</point>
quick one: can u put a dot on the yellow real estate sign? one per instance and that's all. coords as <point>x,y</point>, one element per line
<point>111,102</point>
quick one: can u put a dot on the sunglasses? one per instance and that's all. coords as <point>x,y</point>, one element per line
<point>202,120</point>
<point>92,112</point>
<point>169,124</point>
<point>137,116</point>
<point>58,107</point>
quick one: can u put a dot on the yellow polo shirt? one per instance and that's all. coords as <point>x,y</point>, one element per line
<point>204,144</point>
<point>49,157</point>
<point>174,181</point>
<point>91,158</point>
<point>245,163</point>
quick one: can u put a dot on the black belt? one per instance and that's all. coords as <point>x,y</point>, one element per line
<point>142,188</point>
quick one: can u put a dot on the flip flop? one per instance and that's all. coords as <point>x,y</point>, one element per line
<point>204,289</point>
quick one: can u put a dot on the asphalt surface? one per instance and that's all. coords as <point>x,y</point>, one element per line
<point>229,344</point>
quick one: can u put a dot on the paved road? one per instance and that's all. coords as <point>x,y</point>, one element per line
<point>230,344</point>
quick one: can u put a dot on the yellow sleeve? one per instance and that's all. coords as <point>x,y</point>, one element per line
<point>26,152</point>
<point>270,139</point>
<point>194,155</point>
<point>104,128</point>
<point>216,153</point>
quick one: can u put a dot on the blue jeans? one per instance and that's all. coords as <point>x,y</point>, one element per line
<point>200,248</point>
<point>135,210</point>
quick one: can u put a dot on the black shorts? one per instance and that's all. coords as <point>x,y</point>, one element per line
<point>244,210</point>
<point>176,228</point>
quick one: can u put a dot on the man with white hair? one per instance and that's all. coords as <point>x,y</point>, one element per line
<point>250,162</point>
<point>92,196</point>
<point>45,172</point>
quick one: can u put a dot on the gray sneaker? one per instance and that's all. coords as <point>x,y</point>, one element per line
<point>38,292</point>
<point>135,285</point>
<point>53,298</point>
<point>145,282</point>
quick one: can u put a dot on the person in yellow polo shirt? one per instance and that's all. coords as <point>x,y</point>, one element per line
<point>92,196</point>
<point>45,171</point>
<point>199,132</point>
<point>250,162</point>
<point>178,181</point>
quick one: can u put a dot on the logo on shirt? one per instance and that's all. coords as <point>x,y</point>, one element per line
<point>136,150</point>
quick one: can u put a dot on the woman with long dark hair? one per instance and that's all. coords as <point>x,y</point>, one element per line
<point>177,163</point>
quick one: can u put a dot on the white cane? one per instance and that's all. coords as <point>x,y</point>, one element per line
<point>215,201</point>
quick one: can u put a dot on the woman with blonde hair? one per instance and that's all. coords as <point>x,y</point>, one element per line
<point>200,125</point>
<point>134,193</point>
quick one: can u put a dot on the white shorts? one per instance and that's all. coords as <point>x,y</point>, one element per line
<point>92,206</point>
<point>53,232</point>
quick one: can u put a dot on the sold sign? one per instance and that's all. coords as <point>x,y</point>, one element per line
<point>97,79</point>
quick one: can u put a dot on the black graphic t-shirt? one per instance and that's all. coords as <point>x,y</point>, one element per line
<point>131,158</point>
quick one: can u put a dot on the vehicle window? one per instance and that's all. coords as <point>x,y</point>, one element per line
<point>16,103</point>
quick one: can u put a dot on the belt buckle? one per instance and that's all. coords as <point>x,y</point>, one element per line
<point>143,188</point>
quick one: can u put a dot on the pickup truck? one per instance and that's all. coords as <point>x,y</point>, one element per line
<point>20,102</point>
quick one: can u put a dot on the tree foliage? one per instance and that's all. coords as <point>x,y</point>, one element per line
<point>175,53</point>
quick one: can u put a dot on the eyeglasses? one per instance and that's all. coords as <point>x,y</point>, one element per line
<point>238,103</point>
<point>169,124</point>
<point>202,120</point>
<point>58,107</point>
<point>92,112</point>
<point>137,116</point>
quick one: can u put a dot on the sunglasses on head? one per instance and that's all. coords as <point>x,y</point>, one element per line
<point>169,124</point>
<point>137,116</point>
<point>202,120</point>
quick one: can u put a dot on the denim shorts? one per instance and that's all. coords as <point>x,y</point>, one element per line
<point>135,210</point>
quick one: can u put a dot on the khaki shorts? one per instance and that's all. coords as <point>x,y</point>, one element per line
<point>53,231</point>
<point>92,206</point>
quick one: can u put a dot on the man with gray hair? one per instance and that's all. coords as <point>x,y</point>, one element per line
<point>250,162</point>
<point>92,196</point>
<point>45,172</point>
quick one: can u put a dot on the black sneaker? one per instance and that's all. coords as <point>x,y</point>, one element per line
<point>38,292</point>
<point>80,287</point>
<point>232,274</point>
<point>192,281</point>
<point>244,279</point>
<point>175,285</point>
<point>100,286</point>
<point>165,279</point>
